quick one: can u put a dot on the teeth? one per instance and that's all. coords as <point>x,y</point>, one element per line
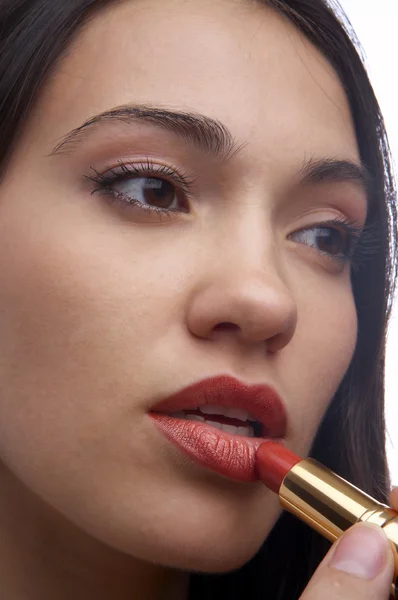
<point>227,411</point>
<point>215,424</point>
<point>229,428</point>
<point>239,413</point>
<point>182,415</point>
<point>195,418</point>
<point>246,431</point>
<point>178,415</point>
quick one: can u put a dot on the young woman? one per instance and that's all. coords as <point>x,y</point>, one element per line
<point>192,192</point>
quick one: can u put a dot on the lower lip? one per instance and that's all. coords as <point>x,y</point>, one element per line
<point>230,455</point>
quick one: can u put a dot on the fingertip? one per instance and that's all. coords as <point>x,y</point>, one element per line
<point>359,565</point>
<point>362,551</point>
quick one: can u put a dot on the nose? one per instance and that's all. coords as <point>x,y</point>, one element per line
<point>239,299</point>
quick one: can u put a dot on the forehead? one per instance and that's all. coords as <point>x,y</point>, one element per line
<point>238,62</point>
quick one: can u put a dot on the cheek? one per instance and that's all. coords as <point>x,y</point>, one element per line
<point>81,326</point>
<point>77,324</point>
<point>326,334</point>
<point>81,338</point>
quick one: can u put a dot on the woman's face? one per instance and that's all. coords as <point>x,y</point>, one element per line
<point>105,310</point>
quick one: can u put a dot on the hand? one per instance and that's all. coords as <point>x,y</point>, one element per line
<point>359,566</point>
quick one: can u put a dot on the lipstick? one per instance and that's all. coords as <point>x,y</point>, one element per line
<point>220,450</point>
<point>325,501</point>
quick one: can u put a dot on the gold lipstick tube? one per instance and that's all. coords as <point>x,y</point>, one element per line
<point>330,505</point>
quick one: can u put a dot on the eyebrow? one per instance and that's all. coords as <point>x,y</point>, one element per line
<point>212,137</point>
<point>209,135</point>
<point>331,169</point>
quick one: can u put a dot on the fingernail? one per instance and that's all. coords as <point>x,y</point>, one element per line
<point>361,552</point>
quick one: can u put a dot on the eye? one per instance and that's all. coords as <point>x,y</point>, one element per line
<point>328,240</point>
<point>336,239</point>
<point>150,187</point>
<point>149,191</point>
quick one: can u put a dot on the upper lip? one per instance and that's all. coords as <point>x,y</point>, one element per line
<point>262,401</point>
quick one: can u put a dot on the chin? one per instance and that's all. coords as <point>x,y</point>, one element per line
<point>208,560</point>
<point>204,552</point>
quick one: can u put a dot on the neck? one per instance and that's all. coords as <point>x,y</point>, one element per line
<point>44,556</point>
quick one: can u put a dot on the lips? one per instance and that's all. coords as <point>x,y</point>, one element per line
<point>230,455</point>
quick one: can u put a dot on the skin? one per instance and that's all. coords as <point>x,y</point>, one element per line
<point>105,311</point>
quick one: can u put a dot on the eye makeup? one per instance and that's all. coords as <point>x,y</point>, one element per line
<point>164,191</point>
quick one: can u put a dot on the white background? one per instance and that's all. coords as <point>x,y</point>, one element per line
<point>376,25</point>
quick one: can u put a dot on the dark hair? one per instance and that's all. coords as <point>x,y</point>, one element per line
<point>34,34</point>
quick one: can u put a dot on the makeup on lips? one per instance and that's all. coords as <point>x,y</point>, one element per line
<point>237,431</point>
<point>220,423</point>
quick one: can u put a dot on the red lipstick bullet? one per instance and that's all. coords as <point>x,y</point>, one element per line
<point>326,502</point>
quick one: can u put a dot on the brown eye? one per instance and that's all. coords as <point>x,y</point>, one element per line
<point>151,191</point>
<point>331,241</point>
<point>328,240</point>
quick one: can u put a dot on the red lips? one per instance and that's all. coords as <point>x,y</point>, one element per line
<point>228,454</point>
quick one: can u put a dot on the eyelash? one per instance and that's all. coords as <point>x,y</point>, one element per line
<point>362,242</point>
<point>148,169</point>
